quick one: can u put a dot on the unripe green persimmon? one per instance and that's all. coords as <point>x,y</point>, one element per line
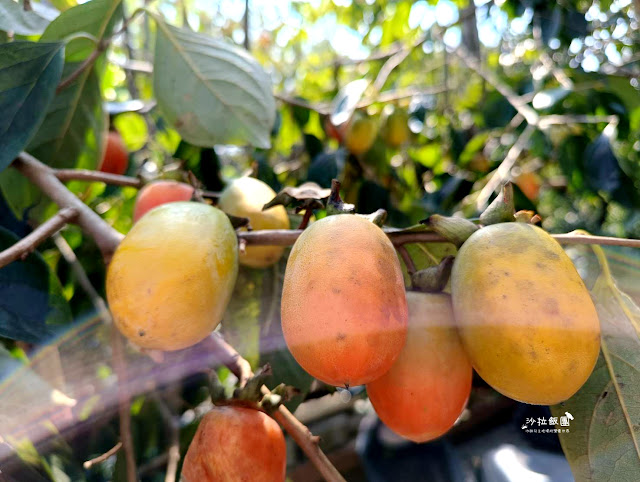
<point>171,278</point>
<point>244,197</point>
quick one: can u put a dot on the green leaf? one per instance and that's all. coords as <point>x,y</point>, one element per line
<point>95,18</point>
<point>603,442</point>
<point>13,17</point>
<point>74,123</point>
<point>30,297</point>
<point>211,91</point>
<point>29,74</point>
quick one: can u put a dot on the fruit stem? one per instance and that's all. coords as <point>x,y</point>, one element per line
<point>335,204</point>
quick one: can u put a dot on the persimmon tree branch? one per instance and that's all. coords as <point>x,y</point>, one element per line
<point>101,458</point>
<point>102,45</point>
<point>97,176</point>
<point>44,177</point>
<point>28,244</point>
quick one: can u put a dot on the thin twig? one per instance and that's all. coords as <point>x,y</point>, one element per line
<point>247,45</point>
<point>101,458</point>
<point>530,115</point>
<point>173,425</point>
<point>557,119</point>
<point>119,363</point>
<point>500,174</point>
<point>124,404</point>
<point>44,177</point>
<point>298,431</point>
<point>406,257</point>
<point>97,176</point>
<point>28,244</point>
<point>393,61</point>
<point>102,45</point>
<point>86,63</point>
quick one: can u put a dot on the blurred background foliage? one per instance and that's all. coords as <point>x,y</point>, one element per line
<point>572,58</point>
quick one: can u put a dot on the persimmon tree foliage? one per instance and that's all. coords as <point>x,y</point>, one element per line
<point>158,160</point>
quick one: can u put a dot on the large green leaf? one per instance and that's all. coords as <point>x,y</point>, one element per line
<point>74,123</point>
<point>603,443</point>
<point>29,74</point>
<point>211,91</point>
<point>95,18</point>
<point>13,17</point>
<point>30,297</point>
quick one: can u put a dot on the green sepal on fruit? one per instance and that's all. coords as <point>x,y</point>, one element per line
<point>502,209</point>
<point>454,229</point>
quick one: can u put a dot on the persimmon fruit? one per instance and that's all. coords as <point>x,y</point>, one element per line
<point>115,159</point>
<point>344,311</point>
<point>360,133</point>
<point>245,197</point>
<point>236,444</point>
<point>160,192</point>
<point>170,279</point>
<point>524,315</point>
<point>394,126</point>
<point>427,388</point>
<point>529,183</point>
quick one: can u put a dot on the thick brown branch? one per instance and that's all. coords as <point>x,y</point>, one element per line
<point>28,244</point>
<point>44,177</point>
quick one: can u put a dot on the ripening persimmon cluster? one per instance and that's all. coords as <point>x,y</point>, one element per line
<point>517,312</point>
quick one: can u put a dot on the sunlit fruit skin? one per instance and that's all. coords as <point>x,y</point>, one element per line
<point>344,311</point>
<point>244,197</point>
<point>360,133</point>
<point>171,278</point>
<point>160,192</point>
<point>116,158</point>
<point>524,315</point>
<point>427,388</point>
<point>395,126</point>
<point>235,444</point>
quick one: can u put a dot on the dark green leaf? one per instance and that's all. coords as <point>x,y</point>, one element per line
<point>30,297</point>
<point>29,74</point>
<point>74,123</point>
